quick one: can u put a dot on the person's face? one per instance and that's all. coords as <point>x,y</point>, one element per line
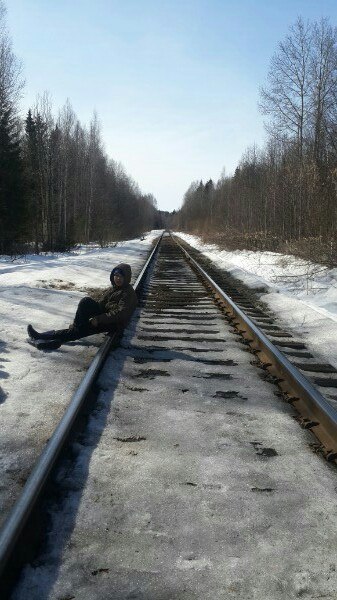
<point>118,279</point>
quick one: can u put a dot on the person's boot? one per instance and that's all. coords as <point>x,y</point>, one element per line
<point>47,344</point>
<point>67,335</point>
<point>35,335</point>
<point>46,340</point>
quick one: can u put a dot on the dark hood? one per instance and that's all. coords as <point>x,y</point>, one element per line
<point>126,269</point>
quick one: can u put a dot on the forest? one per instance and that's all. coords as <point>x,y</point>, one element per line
<point>282,197</point>
<point>58,187</point>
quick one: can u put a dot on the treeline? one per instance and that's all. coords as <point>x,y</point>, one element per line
<point>285,192</point>
<point>58,187</point>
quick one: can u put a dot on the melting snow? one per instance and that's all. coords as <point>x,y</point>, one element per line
<point>35,386</point>
<point>303,294</point>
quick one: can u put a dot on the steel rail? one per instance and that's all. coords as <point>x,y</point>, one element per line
<point>320,416</point>
<point>35,485</point>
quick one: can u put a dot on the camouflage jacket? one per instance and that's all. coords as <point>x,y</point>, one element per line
<point>117,304</point>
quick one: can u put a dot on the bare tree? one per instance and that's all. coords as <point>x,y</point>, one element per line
<point>323,69</point>
<point>286,98</point>
<point>11,81</point>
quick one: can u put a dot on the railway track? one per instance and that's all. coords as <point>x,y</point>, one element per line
<point>196,423</point>
<point>323,375</point>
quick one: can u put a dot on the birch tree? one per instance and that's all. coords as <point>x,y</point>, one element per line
<point>286,97</point>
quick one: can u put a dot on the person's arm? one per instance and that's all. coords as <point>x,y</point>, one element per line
<point>104,298</point>
<point>117,313</point>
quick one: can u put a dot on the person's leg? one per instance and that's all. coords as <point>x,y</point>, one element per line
<point>35,335</point>
<point>86,309</point>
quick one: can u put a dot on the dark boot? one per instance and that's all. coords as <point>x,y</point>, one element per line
<point>35,335</point>
<point>70,334</point>
<point>47,344</point>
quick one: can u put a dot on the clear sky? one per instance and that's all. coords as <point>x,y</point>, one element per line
<point>175,82</point>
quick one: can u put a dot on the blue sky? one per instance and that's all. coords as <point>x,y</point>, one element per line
<point>175,83</point>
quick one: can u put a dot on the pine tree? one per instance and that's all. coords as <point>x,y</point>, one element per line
<point>12,197</point>
<point>12,192</point>
<point>32,179</point>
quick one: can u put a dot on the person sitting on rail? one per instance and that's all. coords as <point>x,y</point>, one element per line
<point>109,312</point>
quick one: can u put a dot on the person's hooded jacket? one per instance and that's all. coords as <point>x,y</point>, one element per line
<point>117,303</point>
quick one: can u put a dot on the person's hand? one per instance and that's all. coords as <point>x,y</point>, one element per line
<point>93,322</point>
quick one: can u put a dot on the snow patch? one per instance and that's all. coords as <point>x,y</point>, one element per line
<point>301,293</point>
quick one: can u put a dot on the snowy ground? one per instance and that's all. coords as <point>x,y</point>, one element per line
<point>302,294</point>
<point>36,386</point>
<point>193,481</point>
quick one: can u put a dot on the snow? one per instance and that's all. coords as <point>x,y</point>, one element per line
<point>302,294</point>
<point>198,464</point>
<point>35,387</point>
<point>169,496</point>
